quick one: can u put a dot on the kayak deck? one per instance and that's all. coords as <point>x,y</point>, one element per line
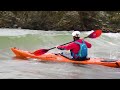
<point>59,58</point>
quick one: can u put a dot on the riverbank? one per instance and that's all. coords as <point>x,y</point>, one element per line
<point>19,28</point>
<point>108,21</point>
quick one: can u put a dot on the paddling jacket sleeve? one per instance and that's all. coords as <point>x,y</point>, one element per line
<point>73,46</point>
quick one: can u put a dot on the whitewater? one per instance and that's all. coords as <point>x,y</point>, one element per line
<point>105,46</point>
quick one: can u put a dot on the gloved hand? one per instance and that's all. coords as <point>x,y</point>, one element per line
<point>59,47</point>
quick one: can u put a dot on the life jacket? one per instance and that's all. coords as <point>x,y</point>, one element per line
<point>82,53</point>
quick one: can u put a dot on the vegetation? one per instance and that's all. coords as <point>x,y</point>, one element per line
<point>108,21</point>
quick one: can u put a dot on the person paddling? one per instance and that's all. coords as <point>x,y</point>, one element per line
<point>78,48</point>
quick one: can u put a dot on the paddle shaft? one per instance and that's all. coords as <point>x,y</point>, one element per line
<point>65,44</point>
<point>60,45</point>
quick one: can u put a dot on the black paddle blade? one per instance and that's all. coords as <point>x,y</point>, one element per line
<point>40,52</point>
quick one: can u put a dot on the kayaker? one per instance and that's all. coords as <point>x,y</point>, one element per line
<point>78,48</point>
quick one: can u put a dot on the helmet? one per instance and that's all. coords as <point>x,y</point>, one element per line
<point>76,34</point>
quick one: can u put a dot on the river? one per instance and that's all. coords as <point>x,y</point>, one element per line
<point>105,46</point>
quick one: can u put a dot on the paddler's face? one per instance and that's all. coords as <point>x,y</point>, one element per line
<point>75,38</point>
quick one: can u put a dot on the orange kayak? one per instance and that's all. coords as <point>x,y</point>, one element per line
<point>59,58</point>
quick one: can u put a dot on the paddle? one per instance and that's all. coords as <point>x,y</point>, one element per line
<point>94,34</point>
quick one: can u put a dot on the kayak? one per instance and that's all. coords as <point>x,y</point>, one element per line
<point>60,58</point>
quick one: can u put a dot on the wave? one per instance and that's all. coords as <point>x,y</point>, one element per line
<point>107,45</point>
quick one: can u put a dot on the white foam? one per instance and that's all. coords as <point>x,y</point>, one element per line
<point>16,32</point>
<point>115,35</point>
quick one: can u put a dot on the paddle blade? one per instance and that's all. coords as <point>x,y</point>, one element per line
<point>95,34</point>
<point>40,52</point>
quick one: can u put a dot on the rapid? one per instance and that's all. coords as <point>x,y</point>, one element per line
<point>105,46</point>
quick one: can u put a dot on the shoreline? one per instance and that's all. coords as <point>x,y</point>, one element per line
<point>104,31</point>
